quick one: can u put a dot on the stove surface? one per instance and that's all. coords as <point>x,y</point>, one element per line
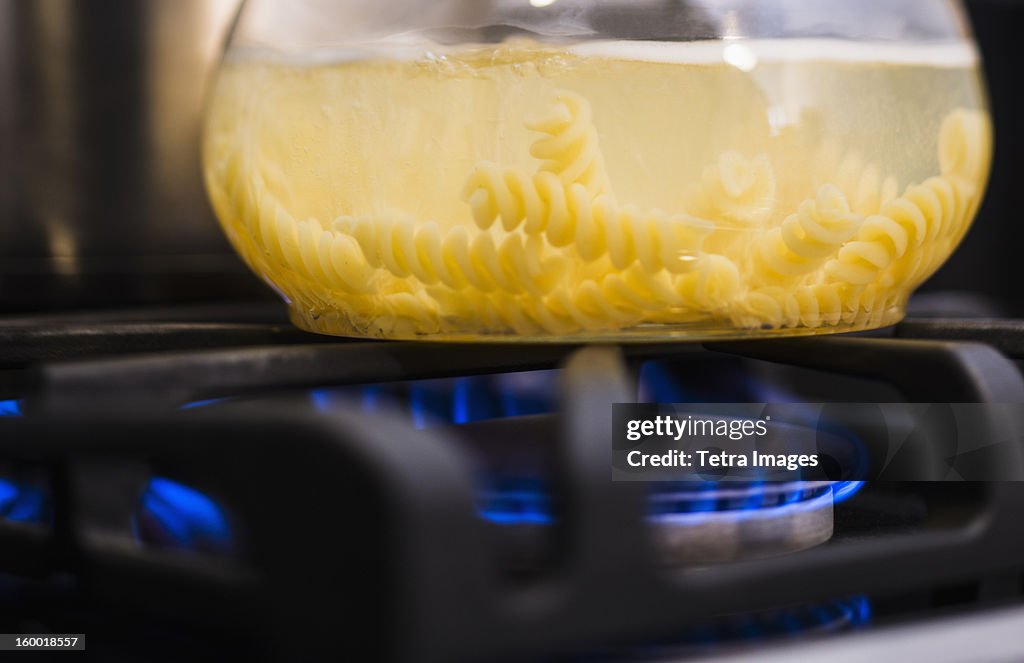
<point>216,473</point>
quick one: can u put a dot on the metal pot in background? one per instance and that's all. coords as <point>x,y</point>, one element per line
<point>101,195</point>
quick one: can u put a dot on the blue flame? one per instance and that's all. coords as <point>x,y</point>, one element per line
<point>430,402</point>
<point>204,403</point>
<point>461,402</point>
<point>473,399</point>
<point>517,501</point>
<point>22,503</point>
<point>835,615</point>
<point>697,502</point>
<point>844,490</point>
<point>321,399</point>
<point>861,611</point>
<point>371,398</point>
<point>449,401</point>
<point>11,409</point>
<point>526,501</point>
<point>180,516</point>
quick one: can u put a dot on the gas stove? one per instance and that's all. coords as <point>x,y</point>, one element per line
<point>207,480</point>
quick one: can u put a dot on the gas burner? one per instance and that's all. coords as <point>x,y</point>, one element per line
<point>691,523</point>
<point>751,629</point>
<point>478,480</point>
<point>722,522</point>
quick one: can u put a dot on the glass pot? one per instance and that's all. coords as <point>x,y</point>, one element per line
<point>596,169</point>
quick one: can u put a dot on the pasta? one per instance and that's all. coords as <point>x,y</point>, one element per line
<point>615,300</point>
<point>863,185</point>
<point>965,141</point>
<point>807,238</point>
<point>454,257</point>
<point>714,286</point>
<point>775,306</point>
<point>568,215</point>
<point>734,190</point>
<point>570,149</point>
<point>931,213</point>
<point>321,264</point>
<point>320,256</point>
<point>555,252</point>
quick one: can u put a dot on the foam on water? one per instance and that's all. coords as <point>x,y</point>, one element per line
<point>953,54</point>
<point>946,54</point>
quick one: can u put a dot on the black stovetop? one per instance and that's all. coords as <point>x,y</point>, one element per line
<point>346,473</point>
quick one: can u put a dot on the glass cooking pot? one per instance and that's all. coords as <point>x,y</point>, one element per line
<point>596,169</point>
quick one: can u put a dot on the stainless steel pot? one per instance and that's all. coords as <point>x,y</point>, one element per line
<point>101,198</point>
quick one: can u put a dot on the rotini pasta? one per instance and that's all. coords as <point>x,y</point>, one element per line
<point>570,149</point>
<point>320,264</point>
<point>454,257</point>
<point>715,285</point>
<point>735,190</point>
<point>616,300</point>
<point>965,142</point>
<point>927,212</point>
<point>308,250</point>
<point>806,239</point>
<point>775,306</point>
<point>801,237</point>
<point>864,186</point>
<point>568,215</point>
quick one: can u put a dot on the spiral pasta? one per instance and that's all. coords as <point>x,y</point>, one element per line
<point>775,306</point>
<point>965,141</point>
<point>551,249</point>
<point>454,257</point>
<point>714,285</point>
<point>806,239</point>
<point>614,300</point>
<point>624,298</point>
<point>303,246</point>
<point>320,265</point>
<point>932,211</point>
<point>734,190</point>
<point>557,313</point>
<point>570,149</point>
<point>568,215</point>
<point>864,186</point>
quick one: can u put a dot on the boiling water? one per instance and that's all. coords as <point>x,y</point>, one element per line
<point>608,189</point>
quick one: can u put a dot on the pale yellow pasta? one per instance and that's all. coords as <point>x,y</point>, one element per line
<point>714,286</point>
<point>806,239</point>
<point>914,233</point>
<point>570,148</point>
<point>554,251</point>
<point>735,190</point>
<point>568,215</point>
<point>965,142</point>
<point>631,289</point>
<point>864,186</point>
<point>617,300</point>
<point>492,312</point>
<point>407,313</point>
<point>303,246</point>
<point>934,210</point>
<point>456,257</point>
<point>775,306</point>
<point>622,299</point>
<point>321,265</point>
<point>498,312</point>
